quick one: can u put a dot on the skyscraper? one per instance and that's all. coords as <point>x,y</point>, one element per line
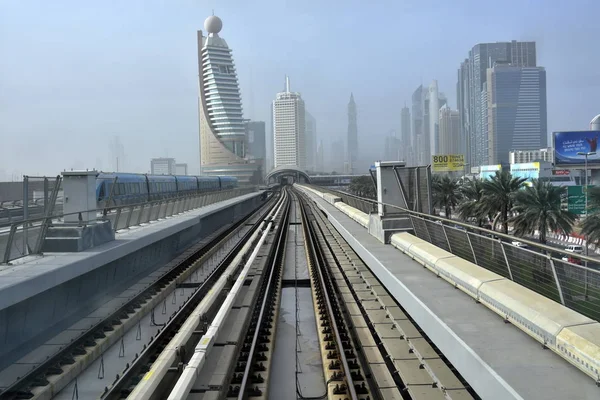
<point>472,78</point>
<point>449,129</point>
<point>163,166</point>
<point>352,140</point>
<point>463,105</point>
<point>320,167</point>
<point>256,140</point>
<point>418,125</point>
<point>336,159</point>
<point>311,142</point>
<point>289,128</point>
<point>222,130</point>
<point>434,109</point>
<point>516,111</point>
<point>393,150</point>
<point>407,147</point>
<point>117,154</point>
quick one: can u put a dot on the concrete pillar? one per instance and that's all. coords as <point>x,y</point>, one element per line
<point>80,196</point>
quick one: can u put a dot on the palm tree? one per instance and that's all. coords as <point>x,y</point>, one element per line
<point>538,209</point>
<point>445,194</point>
<point>497,196</point>
<point>591,225</point>
<point>470,205</point>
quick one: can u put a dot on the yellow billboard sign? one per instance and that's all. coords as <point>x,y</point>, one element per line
<point>448,163</point>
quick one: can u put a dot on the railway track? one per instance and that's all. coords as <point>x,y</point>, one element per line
<point>45,380</point>
<point>221,344</point>
<point>192,332</point>
<point>396,358</point>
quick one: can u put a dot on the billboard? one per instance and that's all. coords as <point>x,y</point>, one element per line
<point>487,171</point>
<point>525,170</point>
<point>448,162</point>
<point>568,144</point>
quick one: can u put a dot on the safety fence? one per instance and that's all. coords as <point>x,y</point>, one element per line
<point>570,279</point>
<point>27,237</point>
<point>30,198</point>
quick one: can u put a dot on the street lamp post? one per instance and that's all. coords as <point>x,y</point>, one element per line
<point>586,154</point>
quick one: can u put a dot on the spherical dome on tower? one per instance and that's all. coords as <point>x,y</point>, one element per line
<point>595,123</point>
<point>213,24</point>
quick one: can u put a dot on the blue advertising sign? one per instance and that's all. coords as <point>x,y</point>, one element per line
<point>568,144</point>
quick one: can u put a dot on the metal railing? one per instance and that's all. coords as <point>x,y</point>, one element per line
<point>539,267</point>
<point>27,237</point>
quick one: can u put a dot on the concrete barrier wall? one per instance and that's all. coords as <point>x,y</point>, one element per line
<point>33,321</point>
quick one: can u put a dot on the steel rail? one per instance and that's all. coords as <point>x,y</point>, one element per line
<point>186,381</point>
<point>81,345</point>
<point>315,251</point>
<point>277,258</point>
<point>138,367</point>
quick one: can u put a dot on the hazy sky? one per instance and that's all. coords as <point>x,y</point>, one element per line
<point>73,74</point>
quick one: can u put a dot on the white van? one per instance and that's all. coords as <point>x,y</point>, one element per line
<point>574,248</point>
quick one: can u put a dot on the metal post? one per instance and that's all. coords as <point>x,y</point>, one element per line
<point>471,246</point>
<point>129,217</point>
<point>560,293</point>
<point>11,236</point>
<point>117,219</point>
<point>506,260</point>
<point>25,213</point>
<point>139,220</point>
<point>586,154</point>
<point>45,194</point>
<point>447,241</point>
<point>48,217</point>
<point>427,230</point>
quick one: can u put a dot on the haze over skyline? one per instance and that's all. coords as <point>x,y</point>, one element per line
<point>74,75</point>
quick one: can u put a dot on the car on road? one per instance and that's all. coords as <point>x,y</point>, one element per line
<point>519,244</point>
<point>574,248</point>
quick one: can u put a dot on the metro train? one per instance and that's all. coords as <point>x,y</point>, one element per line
<point>123,188</point>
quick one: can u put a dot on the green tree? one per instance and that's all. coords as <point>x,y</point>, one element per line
<point>498,194</point>
<point>446,193</point>
<point>538,208</point>
<point>469,207</point>
<point>591,225</point>
<point>362,186</point>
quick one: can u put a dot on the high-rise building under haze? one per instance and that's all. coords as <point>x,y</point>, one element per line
<point>405,136</point>
<point>117,154</point>
<point>352,139</point>
<point>392,150</point>
<point>311,141</point>
<point>289,136</point>
<point>320,167</point>
<point>471,89</point>
<point>449,132</point>
<point>222,130</point>
<point>163,166</point>
<point>256,140</point>
<point>434,108</point>
<point>426,105</point>
<point>337,161</point>
<point>418,125</point>
<point>516,111</point>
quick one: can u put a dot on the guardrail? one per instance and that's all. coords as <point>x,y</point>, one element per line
<point>25,238</point>
<point>539,267</point>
